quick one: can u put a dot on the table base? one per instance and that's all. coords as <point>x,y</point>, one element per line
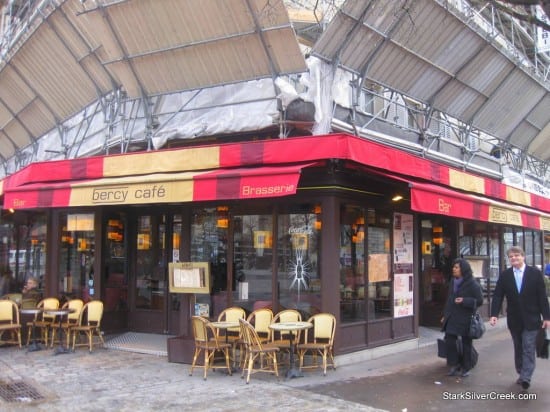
<point>60,350</point>
<point>34,346</point>
<point>294,373</point>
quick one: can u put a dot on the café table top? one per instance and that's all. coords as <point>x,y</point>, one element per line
<point>30,311</point>
<point>60,311</point>
<point>225,324</point>
<point>286,326</point>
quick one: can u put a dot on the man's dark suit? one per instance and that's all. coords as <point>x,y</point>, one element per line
<point>524,312</point>
<point>523,309</point>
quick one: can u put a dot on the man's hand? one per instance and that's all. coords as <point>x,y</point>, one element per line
<point>545,324</point>
<point>493,320</point>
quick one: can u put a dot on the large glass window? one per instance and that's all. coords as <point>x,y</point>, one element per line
<point>352,263</point>
<point>150,285</point>
<point>209,231</point>
<point>298,238</point>
<point>76,255</point>
<point>115,283</point>
<point>379,264</point>
<point>252,261</point>
<point>22,252</point>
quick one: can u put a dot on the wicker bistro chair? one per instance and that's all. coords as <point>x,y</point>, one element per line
<point>43,321</point>
<point>9,322</point>
<point>89,324</point>
<point>260,319</point>
<point>232,335</point>
<point>320,343</point>
<point>258,356</point>
<point>206,341</point>
<point>282,339</point>
<point>72,319</point>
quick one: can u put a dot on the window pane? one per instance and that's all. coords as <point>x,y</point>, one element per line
<point>298,269</point>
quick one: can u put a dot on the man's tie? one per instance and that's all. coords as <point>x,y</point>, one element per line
<point>517,275</point>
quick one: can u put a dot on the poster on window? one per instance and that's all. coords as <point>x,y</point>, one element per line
<point>403,279</point>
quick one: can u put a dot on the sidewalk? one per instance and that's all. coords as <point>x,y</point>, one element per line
<point>114,380</point>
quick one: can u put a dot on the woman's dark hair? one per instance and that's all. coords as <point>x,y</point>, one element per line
<point>465,268</point>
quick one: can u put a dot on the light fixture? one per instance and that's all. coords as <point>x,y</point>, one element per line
<point>397,198</point>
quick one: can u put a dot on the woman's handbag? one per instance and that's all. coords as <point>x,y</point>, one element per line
<point>477,326</point>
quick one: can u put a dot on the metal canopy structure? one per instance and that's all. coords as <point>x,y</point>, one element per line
<point>423,50</point>
<point>73,53</point>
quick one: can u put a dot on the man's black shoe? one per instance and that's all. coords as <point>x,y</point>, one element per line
<point>455,370</point>
<point>525,385</point>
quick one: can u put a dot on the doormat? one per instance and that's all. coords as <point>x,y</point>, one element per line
<point>148,343</point>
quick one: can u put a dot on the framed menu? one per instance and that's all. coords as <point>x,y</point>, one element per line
<point>189,277</point>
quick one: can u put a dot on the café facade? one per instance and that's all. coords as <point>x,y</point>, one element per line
<point>331,223</point>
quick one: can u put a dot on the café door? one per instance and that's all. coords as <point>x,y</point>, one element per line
<point>149,280</point>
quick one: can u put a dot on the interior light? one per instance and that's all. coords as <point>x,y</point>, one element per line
<point>397,198</point>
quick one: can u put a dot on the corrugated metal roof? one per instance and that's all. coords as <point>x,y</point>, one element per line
<point>77,52</point>
<point>422,50</point>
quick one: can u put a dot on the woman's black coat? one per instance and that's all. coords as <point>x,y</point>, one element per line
<point>457,315</point>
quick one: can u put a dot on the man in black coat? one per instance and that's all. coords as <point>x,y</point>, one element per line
<point>527,304</point>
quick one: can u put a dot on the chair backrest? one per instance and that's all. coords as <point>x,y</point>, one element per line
<point>9,312</point>
<point>249,335</point>
<point>324,327</point>
<point>93,310</point>
<point>202,331</point>
<point>261,319</point>
<point>232,314</point>
<point>48,303</point>
<point>288,315</point>
<point>16,297</point>
<point>77,305</point>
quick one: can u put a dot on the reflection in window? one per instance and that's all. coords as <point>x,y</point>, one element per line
<point>298,238</point>
<point>209,228</point>
<point>76,255</point>
<point>150,262</point>
<point>352,263</point>
<point>379,261</point>
<point>115,284</point>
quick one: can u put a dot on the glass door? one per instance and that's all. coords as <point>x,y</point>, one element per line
<point>150,289</point>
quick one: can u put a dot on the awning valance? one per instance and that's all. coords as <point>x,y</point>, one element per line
<point>222,184</point>
<point>429,198</point>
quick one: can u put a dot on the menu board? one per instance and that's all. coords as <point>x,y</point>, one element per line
<point>379,267</point>
<point>189,277</point>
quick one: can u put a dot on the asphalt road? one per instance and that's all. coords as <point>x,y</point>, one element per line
<point>417,381</point>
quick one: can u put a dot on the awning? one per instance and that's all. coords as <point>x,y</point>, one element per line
<point>429,198</point>
<point>222,184</point>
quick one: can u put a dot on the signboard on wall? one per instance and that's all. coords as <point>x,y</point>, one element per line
<point>403,279</point>
<point>189,277</point>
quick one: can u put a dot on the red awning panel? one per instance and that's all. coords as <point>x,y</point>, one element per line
<point>222,184</point>
<point>428,198</point>
<point>248,183</point>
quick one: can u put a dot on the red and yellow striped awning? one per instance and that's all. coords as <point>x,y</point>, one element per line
<point>266,168</point>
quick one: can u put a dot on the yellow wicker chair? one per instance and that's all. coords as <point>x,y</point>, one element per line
<point>72,319</point>
<point>89,324</point>
<point>206,341</point>
<point>320,343</point>
<point>43,321</point>
<point>9,322</point>
<point>232,335</point>
<point>282,339</point>
<point>260,319</point>
<point>259,356</point>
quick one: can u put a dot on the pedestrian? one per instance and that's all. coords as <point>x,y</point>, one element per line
<point>462,300</point>
<point>527,303</point>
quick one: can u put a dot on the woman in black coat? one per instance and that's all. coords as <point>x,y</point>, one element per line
<point>464,296</point>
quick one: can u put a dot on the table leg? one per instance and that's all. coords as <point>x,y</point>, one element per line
<point>35,345</point>
<point>293,371</point>
<point>61,347</point>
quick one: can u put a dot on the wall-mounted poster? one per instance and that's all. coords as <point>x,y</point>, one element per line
<point>189,277</point>
<point>403,247</point>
